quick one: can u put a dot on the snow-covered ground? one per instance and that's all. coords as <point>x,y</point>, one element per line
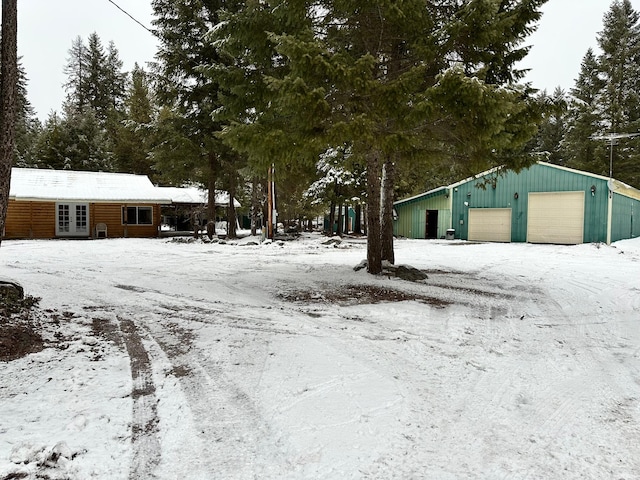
<point>236,361</point>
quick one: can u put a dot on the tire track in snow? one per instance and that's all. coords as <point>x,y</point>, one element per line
<point>144,425</point>
<point>227,424</point>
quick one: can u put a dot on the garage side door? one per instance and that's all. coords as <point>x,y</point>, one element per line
<point>490,224</point>
<point>556,217</point>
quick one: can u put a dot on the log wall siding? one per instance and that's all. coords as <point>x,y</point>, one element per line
<point>30,220</point>
<point>111,215</point>
<point>38,220</point>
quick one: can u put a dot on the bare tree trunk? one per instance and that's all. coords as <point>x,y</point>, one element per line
<point>195,223</point>
<point>357,228</point>
<point>388,180</point>
<point>231,210</point>
<point>366,221</point>
<point>254,206</point>
<point>8,94</point>
<point>340,229</point>
<point>374,248</point>
<point>211,200</point>
<point>332,218</point>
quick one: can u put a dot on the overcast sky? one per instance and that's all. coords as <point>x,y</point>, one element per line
<point>46,29</point>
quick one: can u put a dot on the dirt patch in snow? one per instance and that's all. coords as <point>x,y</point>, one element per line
<point>25,328</point>
<point>359,295</point>
<point>16,341</point>
<point>18,333</point>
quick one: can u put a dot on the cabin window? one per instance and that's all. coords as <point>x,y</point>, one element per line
<point>137,215</point>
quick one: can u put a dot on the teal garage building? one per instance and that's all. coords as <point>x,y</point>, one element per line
<point>542,204</point>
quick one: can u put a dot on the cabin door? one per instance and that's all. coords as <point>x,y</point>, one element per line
<point>72,219</point>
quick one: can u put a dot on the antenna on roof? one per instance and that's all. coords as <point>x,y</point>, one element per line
<point>612,139</point>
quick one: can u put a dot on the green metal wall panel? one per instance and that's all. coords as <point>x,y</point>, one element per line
<point>541,177</point>
<point>626,218</point>
<point>411,219</point>
<point>537,178</point>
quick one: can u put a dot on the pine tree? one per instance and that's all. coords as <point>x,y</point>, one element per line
<point>387,79</point>
<point>8,97</point>
<point>115,79</point>
<point>606,99</point>
<point>85,136</point>
<point>94,79</point>
<point>620,44</point>
<point>76,71</point>
<point>553,129</point>
<point>134,137</point>
<point>585,119</point>
<point>28,127</point>
<point>75,142</point>
<point>187,93</point>
<point>340,180</point>
<point>620,69</point>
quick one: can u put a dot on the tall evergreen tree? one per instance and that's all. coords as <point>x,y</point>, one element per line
<point>76,71</point>
<point>115,79</point>
<point>85,136</point>
<point>585,119</point>
<point>553,129</point>
<point>94,78</point>
<point>620,44</point>
<point>77,141</point>
<point>134,138</point>
<point>184,90</point>
<point>8,98</point>
<point>388,79</point>
<point>620,70</point>
<point>28,126</point>
<point>606,100</point>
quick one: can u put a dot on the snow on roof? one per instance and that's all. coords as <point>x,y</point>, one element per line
<point>68,185</point>
<point>195,195</point>
<point>615,185</point>
<point>433,193</point>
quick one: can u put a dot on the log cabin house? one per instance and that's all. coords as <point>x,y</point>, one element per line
<point>71,204</point>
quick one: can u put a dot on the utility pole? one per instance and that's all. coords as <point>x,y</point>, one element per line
<point>612,139</point>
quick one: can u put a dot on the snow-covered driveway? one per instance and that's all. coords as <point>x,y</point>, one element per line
<point>212,361</point>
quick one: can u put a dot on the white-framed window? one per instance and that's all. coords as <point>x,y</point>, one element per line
<point>137,215</point>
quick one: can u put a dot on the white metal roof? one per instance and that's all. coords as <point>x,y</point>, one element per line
<point>32,184</point>
<point>195,195</point>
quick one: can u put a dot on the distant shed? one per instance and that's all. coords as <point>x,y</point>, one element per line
<point>542,204</point>
<point>188,205</point>
<point>427,215</point>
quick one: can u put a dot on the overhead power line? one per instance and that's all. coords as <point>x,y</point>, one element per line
<point>131,17</point>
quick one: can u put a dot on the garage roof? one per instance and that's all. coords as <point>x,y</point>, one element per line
<point>615,185</point>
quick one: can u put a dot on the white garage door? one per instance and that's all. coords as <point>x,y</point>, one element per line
<point>490,224</point>
<point>556,217</point>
